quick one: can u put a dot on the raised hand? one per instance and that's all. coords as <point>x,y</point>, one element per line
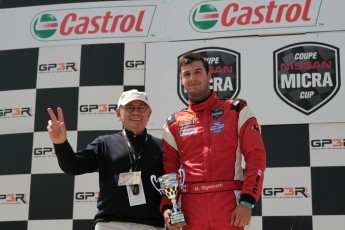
<point>56,127</point>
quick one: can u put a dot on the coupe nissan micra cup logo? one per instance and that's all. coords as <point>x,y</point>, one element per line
<point>307,75</point>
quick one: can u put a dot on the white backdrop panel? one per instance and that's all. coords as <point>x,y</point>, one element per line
<point>43,155</point>
<point>58,67</point>
<point>257,86</point>
<point>96,101</point>
<point>85,196</point>
<point>327,144</point>
<point>285,191</point>
<point>50,224</point>
<point>14,194</point>
<point>328,222</point>
<point>210,19</point>
<point>17,111</point>
<point>106,22</point>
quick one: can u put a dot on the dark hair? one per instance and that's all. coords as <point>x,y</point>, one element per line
<point>188,58</point>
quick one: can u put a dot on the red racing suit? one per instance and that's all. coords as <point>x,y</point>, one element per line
<point>209,141</point>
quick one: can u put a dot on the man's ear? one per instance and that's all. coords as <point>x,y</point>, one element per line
<point>181,79</point>
<point>118,114</point>
<point>150,113</point>
<point>209,76</point>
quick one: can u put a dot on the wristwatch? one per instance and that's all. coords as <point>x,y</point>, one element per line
<point>249,205</point>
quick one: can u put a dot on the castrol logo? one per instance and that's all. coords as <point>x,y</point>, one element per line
<point>90,23</point>
<point>221,16</point>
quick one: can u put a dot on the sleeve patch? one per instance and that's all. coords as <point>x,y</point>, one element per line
<point>238,105</point>
<point>171,119</point>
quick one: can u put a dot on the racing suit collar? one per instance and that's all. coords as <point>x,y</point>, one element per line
<point>206,104</point>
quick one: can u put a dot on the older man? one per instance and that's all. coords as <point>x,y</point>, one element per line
<point>124,160</point>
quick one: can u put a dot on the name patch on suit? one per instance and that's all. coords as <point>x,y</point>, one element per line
<point>184,132</point>
<point>190,122</point>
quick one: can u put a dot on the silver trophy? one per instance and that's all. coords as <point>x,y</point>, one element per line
<point>169,185</point>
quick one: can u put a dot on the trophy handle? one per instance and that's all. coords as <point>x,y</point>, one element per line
<point>153,182</point>
<point>182,176</point>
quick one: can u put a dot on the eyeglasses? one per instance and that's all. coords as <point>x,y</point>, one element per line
<point>131,108</point>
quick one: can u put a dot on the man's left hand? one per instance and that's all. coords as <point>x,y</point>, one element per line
<point>241,216</point>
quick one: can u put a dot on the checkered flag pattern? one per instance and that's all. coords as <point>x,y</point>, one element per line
<point>85,81</point>
<point>305,162</point>
<point>304,185</point>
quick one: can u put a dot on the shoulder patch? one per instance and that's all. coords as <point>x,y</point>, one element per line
<point>238,104</point>
<point>171,119</point>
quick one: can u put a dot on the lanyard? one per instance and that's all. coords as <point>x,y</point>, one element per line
<point>134,157</point>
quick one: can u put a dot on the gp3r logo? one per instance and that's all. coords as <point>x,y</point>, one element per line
<point>68,66</point>
<point>328,143</point>
<point>13,198</point>
<point>285,192</point>
<point>44,152</point>
<point>86,196</point>
<point>16,112</point>
<point>134,64</point>
<point>97,108</point>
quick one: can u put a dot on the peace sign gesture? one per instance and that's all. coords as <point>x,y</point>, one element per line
<point>56,127</point>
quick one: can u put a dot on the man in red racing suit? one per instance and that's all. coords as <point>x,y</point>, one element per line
<point>208,141</point>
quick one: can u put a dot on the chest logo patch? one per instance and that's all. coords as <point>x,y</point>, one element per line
<point>217,127</point>
<point>216,113</point>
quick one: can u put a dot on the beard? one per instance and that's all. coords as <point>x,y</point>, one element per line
<point>198,94</point>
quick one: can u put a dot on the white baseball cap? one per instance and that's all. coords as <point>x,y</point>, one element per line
<point>132,95</point>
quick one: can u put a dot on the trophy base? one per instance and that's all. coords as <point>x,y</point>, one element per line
<point>177,219</point>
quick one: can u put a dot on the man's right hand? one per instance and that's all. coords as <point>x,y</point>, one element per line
<point>56,127</point>
<point>166,216</point>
